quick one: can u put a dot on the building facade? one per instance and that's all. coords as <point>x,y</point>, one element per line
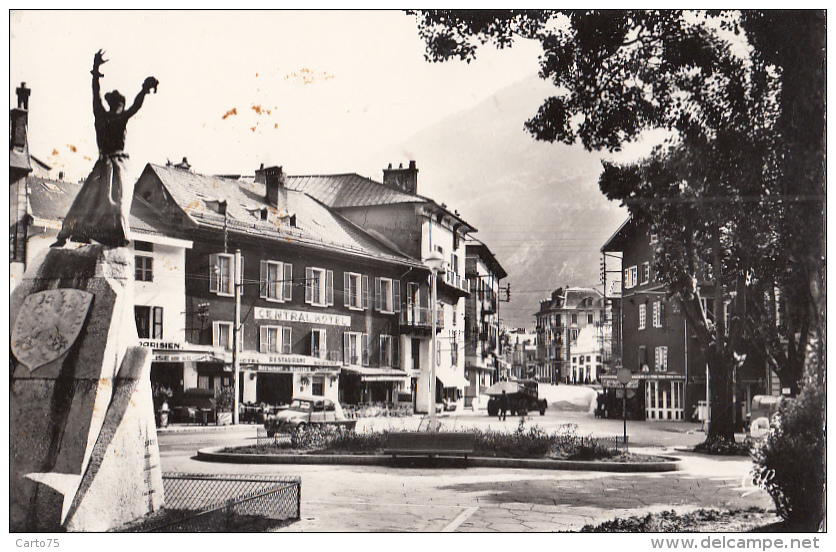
<point>660,350</point>
<point>560,321</point>
<point>393,212</point>
<point>318,299</point>
<point>481,322</point>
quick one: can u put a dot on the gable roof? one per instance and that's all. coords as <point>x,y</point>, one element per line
<point>315,224</point>
<point>342,191</point>
<point>50,200</point>
<point>349,190</point>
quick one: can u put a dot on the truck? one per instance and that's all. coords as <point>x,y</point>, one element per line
<point>522,398</point>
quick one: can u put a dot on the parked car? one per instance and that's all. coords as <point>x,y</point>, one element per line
<point>304,411</point>
<point>522,397</point>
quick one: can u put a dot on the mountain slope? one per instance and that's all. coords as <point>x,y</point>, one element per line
<point>537,205</point>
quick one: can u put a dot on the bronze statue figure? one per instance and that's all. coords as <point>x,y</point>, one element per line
<point>101,209</point>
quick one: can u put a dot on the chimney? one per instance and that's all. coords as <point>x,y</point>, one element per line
<point>20,119</point>
<point>273,180</point>
<point>403,179</point>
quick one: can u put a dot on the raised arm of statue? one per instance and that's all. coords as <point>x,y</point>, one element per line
<point>147,85</point>
<point>98,60</point>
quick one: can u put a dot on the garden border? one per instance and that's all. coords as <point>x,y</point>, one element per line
<point>665,463</point>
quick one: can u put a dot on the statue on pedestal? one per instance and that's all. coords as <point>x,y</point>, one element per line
<point>101,209</point>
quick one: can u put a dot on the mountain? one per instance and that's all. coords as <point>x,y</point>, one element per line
<point>536,205</point>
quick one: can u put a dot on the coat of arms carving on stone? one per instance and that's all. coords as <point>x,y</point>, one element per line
<point>48,324</point>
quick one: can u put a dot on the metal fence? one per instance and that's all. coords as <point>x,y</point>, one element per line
<point>224,503</point>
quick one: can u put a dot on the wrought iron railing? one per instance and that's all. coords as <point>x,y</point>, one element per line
<point>224,503</point>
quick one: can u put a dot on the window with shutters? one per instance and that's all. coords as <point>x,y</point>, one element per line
<point>149,322</point>
<point>645,273</point>
<point>387,350</point>
<point>356,348</point>
<point>662,359</point>
<point>657,314</point>
<point>220,273</point>
<point>387,295</point>
<point>642,316</point>
<point>318,343</point>
<point>274,339</point>
<point>276,281</point>
<point>222,335</point>
<point>630,275</point>
<point>319,287</point>
<point>355,293</point>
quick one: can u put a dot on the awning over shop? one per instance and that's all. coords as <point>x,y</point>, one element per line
<point>477,367</point>
<point>276,362</point>
<point>450,378</point>
<point>376,374</point>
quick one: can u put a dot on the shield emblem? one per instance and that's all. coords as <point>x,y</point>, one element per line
<point>48,324</point>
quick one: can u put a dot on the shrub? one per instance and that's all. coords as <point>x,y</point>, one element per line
<point>790,459</point>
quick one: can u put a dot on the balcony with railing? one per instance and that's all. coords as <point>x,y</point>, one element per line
<point>454,282</point>
<point>420,318</point>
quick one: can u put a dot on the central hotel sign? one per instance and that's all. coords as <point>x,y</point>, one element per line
<point>286,315</point>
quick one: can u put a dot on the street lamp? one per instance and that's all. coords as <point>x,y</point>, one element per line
<point>434,262</point>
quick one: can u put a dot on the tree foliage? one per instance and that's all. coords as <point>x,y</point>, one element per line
<point>735,192</point>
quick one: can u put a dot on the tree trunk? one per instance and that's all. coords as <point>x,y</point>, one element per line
<point>721,386</point>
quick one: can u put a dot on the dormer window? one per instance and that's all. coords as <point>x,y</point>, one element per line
<point>216,205</point>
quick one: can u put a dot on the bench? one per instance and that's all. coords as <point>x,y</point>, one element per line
<point>413,443</point>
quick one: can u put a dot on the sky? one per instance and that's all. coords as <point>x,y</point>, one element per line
<point>316,92</point>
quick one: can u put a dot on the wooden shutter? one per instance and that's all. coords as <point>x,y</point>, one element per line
<point>287,285</point>
<point>308,285</point>
<point>329,287</point>
<point>396,295</point>
<point>364,348</point>
<point>264,280</point>
<point>286,340</point>
<point>395,350</point>
<point>262,339</point>
<point>215,334</point>
<point>377,305</point>
<point>346,289</point>
<point>214,281</point>
<point>346,348</point>
<point>365,287</point>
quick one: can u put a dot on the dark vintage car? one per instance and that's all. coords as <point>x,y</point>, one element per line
<point>522,398</point>
<point>304,411</point>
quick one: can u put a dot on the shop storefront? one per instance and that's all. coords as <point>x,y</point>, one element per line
<point>178,366</point>
<point>367,385</point>
<point>276,378</point>
<point>649,397</point>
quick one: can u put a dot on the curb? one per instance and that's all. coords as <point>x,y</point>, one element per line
<point>666,463</point>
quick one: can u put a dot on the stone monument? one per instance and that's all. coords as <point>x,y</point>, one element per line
<point>83,444</point>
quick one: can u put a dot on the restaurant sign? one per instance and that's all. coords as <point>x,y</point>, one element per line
<point>287,315</point>
<point>287,360</point>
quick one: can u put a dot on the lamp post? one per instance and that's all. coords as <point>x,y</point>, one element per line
<point>434,262</point>
<point>236,336</point>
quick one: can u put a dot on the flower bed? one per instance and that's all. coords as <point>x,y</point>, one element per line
<point>524,442</point>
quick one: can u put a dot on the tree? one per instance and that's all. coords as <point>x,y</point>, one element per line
<point>735,193</point>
